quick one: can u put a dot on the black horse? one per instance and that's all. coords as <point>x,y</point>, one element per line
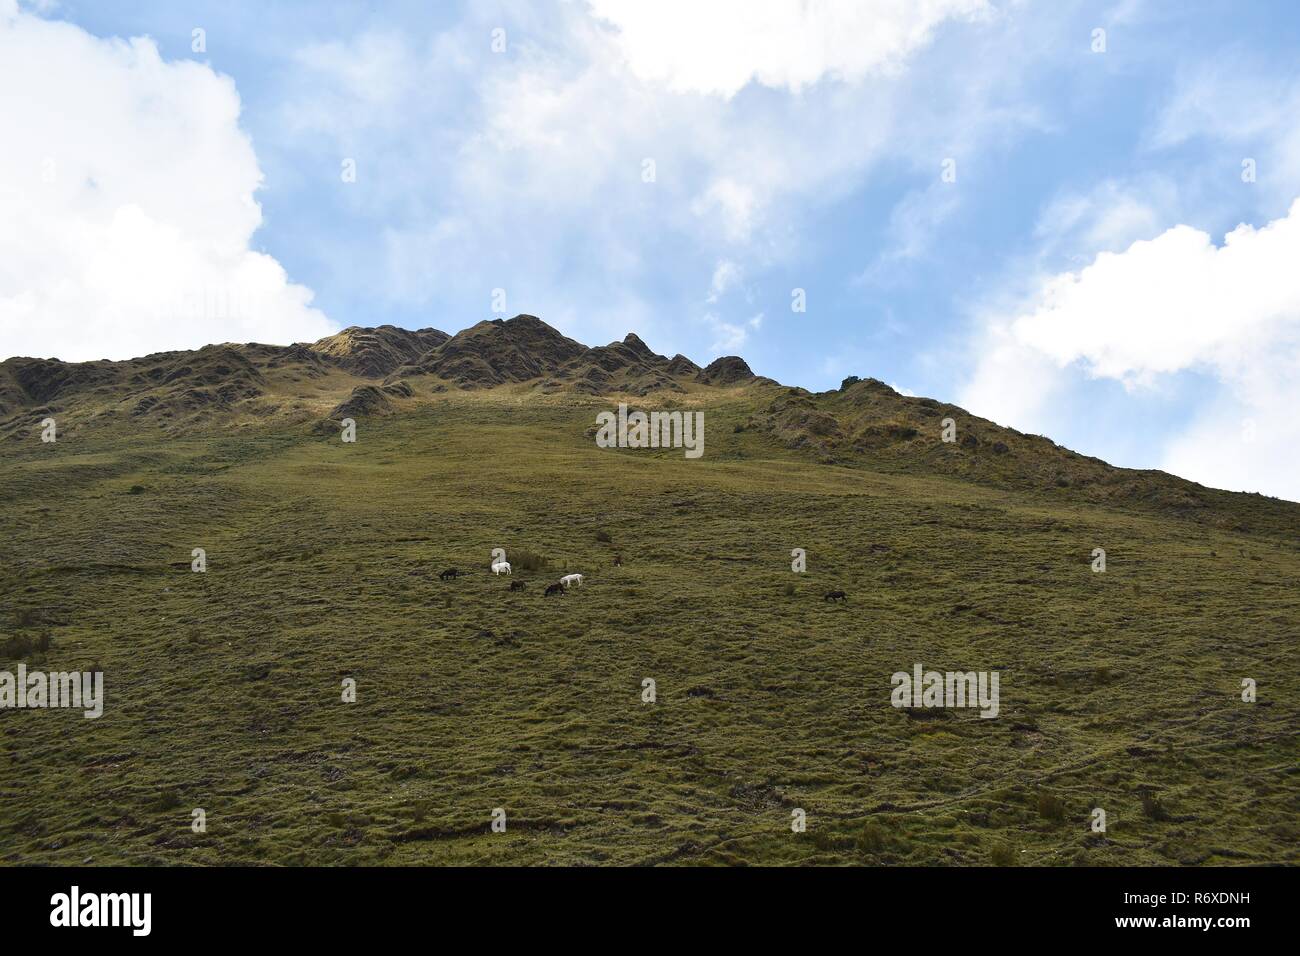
<point>556,588</point>
<point>516,585</point>
<point>836,596</point>
<point>451,573</point>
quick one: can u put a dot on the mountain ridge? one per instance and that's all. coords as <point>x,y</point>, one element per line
<point>359,372</point>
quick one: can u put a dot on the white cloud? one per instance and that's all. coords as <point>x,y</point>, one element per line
<point>728,337</point>
<point>528,162</point>
<point>720,46</point>
<point>1108,218</point>
<point>1172,302</point>
<point>127,203</point>
<point>546,168</point>
<point>372,75</point>
<point>733,203</point>
<point>1175,303</point>
<point>725,275</point>
<point>1232,103</point>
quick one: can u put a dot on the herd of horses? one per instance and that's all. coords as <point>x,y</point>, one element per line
<point>503,567</point>
<point>571,580</point>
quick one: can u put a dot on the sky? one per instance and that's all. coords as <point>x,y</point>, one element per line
<point>1076,219</point>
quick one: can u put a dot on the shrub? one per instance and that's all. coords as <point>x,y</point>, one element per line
<point>899,431</point>
<point>529,561</point>
<point>1051,807</point>
<point>21,645</point>
<point>603,536</point>
<point>1004,855</point>
<point>17,646</point>
<point>167,800</point>
<point>871,839</point>
<point>1152,807</point>
<point>27,617</point>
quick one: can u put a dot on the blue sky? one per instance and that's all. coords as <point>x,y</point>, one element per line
<point>794,146</point>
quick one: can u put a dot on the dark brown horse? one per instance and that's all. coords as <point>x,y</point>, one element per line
<point>451,573</point>
<point>516,585</point>
<point>556,588</point>
<point>835,596</point>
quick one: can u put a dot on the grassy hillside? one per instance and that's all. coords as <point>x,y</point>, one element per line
<point>1118,690</point>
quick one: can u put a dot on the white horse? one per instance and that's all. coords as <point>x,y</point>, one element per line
<point>571,580</point>
<point>501,566</point>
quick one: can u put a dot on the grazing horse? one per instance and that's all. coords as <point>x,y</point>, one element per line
<point>835,596</point>
<point>556,588</point>
<point>618,560</point>
<point>572,580</point>
<point>516,585</point>
<point>501,566</point>
<point>450,573</point>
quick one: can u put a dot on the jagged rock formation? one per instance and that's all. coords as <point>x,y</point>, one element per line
<point>523,349</point>
<point>183,390</point>
<point>727,370</point>
<point>497,352</point>
<point>628,366</point>
<point>165,384</point>
<point>368,400</point>
<point>378,372</point>
<point>378,352</point>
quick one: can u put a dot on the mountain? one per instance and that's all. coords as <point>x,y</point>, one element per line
<point>866,420</point>
<point>627,366</point>
<point>497,352</point>
<point>728,370</point>
<point>377,352</point>
<point>1120,690</point>
<point>173,391</point>
<point>526,349</point>
<point>355,371</point>
<point>361,372</point>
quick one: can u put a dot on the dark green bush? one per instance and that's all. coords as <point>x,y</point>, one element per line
<point>23,645</point>
<point>1152,806</point>
<point>1051,807</point>
<point>1004,855</point>
<point>528,561</point>
<point>167,800</point>
<point>871,839</point>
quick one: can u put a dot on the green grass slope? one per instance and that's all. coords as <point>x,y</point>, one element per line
<point>1118,690</point>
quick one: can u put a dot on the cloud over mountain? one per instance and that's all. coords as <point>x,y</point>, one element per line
<point>1173,304</point>
<point>127,193</point>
